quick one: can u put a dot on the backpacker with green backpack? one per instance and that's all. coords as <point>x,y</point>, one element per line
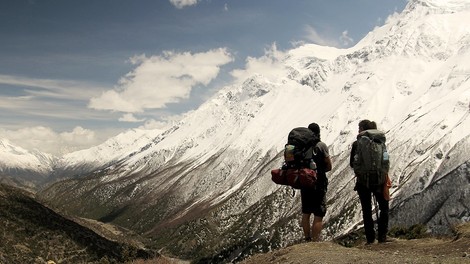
<point>371,160</point>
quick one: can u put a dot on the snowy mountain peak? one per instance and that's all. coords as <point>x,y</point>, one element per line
<point>426,28</point>
<point>112,149</point>
<point>438,6</point>
<point>447,4</point>
<point>15,157</point>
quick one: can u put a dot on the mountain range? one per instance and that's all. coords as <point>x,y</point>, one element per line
<point>201,188</point>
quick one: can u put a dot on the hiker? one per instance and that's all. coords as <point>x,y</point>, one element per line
<point>363,125</point>
<point>368,184</point>
<point>314,200</point>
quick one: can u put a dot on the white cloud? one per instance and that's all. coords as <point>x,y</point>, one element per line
<point>58,99</point>
<point>313,36</point>
<point>159,80</point>
<point>79,135</point>
<point>182,3</point>
<point>389,18</point>
<point>128,117</point>
<point>226,7</point>
<point>58,89</point>
<point>36,109</point>
<point>268,66</point>
<point>297,43</point>
<point>345,39</point>
<point>153,124</point>
<point>379,21</point>
<point>15,102</point>
<point>47,140</point>
<point>165,122</point>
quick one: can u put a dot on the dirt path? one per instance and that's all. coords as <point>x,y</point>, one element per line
<point>426,251</point>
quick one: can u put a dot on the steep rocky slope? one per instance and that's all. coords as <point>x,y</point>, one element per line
<point>33,233</point>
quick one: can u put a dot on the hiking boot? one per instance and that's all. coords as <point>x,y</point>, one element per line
<point>385,240</point>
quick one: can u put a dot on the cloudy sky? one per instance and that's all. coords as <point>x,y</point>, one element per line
<point>74,73</point>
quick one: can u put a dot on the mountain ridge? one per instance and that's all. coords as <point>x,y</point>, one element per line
<point>209,173</point>
<point>33,233</point>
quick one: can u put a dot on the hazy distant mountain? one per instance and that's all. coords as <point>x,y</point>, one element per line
<point>34,169</point>
<point>110,152</point>
<point>202,188</point>
<point>23,168</point>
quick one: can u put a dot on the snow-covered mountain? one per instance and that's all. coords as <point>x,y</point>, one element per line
<point>22,167</point>
<point>111,151</point>
<point>202,188</point>
<point>35,168</point>
<point>12,156</point>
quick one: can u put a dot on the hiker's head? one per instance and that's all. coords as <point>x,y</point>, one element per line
<point>372,125</point>
<point>364,125</point>
<point>315,128</point>
<point>367,124</point>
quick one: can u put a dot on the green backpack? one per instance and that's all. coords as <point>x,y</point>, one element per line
<point>371,160</point>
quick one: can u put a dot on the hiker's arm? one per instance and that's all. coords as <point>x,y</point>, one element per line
<point>327,164</point>
<point>353,152</point>
<point>327,160</point>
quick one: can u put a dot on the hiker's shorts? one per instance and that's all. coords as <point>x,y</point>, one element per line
<point>313,201</point>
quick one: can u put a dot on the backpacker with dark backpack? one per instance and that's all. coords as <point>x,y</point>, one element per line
<point>296,152</point>
<point>371,160</point>
<point>299,170</point>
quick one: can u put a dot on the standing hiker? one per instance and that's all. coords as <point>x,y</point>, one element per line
<point>370,161</point>
<point>363,125</point>
<point>314,200</point>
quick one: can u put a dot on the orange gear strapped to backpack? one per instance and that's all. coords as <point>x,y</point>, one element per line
<point>387,186</point>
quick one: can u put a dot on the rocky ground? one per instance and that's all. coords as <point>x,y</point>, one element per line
<point>424,250</point>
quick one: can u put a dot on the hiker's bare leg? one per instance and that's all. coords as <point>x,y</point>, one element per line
<point>317,226</point>
<point>306,225</point>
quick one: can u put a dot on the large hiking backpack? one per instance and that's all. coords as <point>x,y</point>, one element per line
<point>371,160</point>
<point>297,170</point>
<point>295,178</point>
<point>299,147</point>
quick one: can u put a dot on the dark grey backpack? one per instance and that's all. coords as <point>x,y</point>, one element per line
<point>299,147</point>
<point>371,160</point>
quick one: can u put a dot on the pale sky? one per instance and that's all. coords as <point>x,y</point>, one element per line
<point>74,73</point>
